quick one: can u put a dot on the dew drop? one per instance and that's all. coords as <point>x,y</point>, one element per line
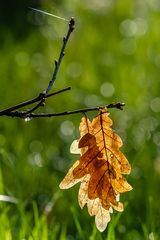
<point>27,119</point>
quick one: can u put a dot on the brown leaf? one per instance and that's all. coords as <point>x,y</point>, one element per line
<point>100,168</point>
<point>94,206</point>
<point>69,180</point>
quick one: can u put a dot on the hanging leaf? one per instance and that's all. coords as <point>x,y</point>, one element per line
<point>100,168</point>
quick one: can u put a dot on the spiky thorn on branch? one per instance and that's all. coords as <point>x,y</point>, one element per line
<point>39,100</point>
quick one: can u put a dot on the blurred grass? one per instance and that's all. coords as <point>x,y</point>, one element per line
<point>113,55</point>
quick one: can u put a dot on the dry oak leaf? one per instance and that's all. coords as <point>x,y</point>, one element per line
<point>100,168</point>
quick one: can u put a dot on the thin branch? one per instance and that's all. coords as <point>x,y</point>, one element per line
<point>40,99</point>
<point>57,63</point>
<point>31,101</point>
<point>22,114</point>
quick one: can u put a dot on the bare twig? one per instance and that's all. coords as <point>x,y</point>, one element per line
<point>22,114</point>
<point>57,63</point>
<point>31,101</point>
<point>14,111</point>
<point>40,99</point>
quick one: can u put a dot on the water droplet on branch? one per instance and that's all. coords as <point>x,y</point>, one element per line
<point>27,119</point>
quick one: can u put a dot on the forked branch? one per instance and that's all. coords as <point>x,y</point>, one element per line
<point>40,99</point>
<point>15,111</point>
<point>8,111</point>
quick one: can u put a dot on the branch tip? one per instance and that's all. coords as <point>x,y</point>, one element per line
<point>117,105</point>
<point>120,105</point>
<point>55,61</point>
<point>72,23</point>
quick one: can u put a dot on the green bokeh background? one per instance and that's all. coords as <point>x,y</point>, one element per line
<point>113,55</point>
